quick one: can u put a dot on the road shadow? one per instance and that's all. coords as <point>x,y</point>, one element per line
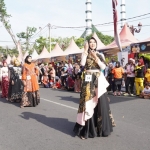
<point>60,124</point>
<point>119,99</point>
<point>69,98</point>
<point>75,97</point>
<point>3,100</point>
<point>113,99</point>
<point>65,91</point>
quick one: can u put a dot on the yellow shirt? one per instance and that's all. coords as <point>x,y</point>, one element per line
<point>147,76</point>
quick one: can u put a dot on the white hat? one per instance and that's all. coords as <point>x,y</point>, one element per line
<point>132,60</point>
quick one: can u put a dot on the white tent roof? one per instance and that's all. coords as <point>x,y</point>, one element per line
<point>99,43</point>
<point>72,48</point>
<point>44,54</point>
<point>146,40</point>
<point>8,60</point>
<point>57,51</point>
<point>34,55</point>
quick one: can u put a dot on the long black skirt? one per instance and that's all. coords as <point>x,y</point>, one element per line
<point>31,99</point>
<point>15,92</point>
<point>101,123</point>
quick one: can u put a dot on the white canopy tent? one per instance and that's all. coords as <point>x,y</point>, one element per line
<point>35,55</point>
<point>99,43</point>
<point>44,54</point>
<point>73,49</point>
<point>146,40</point>
<point>57,51</point>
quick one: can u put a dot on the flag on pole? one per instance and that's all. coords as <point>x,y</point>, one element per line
<point>115,17</point>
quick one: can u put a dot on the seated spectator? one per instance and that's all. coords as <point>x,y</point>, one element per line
<point>52,72</point>
<point>45,80</point>
<point>70,84</point>
<point>51,82</point>
<point>146,92</point>
<point>57,84</point>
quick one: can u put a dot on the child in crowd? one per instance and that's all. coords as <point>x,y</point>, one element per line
<point>45,80</point>
<point>57,84</point>
<point>117,74</point>
<point>70,83</point>
<point>146,92</point>
<point>51,82</point>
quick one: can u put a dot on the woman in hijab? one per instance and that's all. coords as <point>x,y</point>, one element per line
<point>31,88</point>
<point>139,76</point>
<point>94,117</point>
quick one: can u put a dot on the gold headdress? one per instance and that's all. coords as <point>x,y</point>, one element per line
<point>16,63</point>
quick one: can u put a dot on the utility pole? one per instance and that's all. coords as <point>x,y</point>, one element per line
<point>49,27</point>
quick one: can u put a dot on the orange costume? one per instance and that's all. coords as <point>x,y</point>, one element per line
<point>118,72</point>
<point>31,87</point>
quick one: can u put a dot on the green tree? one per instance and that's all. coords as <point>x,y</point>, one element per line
<point>80,42</point>
<point>6,51</point>
<point>63,42</point>
<point>27,35</point>
<point>106,39</point>
<point>40,43</point>
<point>4,19</point>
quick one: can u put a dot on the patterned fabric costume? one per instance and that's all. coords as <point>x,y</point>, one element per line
<point>94,117</point>
<point>15,84</point>
<point>31,88</point>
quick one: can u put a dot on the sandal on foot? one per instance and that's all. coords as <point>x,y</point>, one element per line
<point>82,137</point>
<point>114,94</point>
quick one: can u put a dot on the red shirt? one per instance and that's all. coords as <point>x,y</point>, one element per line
<point>58,85</point>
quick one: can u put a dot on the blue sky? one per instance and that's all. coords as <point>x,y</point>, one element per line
<point>38,13</point>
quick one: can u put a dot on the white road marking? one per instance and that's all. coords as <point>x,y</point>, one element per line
<point>59,104</point>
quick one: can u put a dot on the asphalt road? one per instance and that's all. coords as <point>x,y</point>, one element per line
<point>49,126</point>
